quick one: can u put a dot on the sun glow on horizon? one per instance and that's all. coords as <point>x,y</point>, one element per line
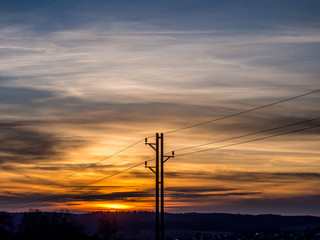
<point>113,206</point>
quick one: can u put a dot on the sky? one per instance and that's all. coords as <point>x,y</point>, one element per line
<point>83,80</point>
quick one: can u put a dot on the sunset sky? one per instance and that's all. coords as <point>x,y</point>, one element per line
<point>81,80</point>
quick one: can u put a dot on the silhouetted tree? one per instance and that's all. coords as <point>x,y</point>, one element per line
<point>36,225</point>
<point>33,225</point>
<point>5,226</point>
<point>108,226</point>
<point>62,227</point>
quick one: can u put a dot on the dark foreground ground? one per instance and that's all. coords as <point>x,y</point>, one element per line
<point>62,225</point>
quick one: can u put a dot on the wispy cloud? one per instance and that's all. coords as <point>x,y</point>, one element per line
<point>80,81</point>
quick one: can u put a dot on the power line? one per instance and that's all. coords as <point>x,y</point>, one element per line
<point>184,128</point>
<point>117,173</point>
<point>176,130</point>
<point>90,165</point>
<point>136,165</point>
<point>179,155</point>
<point>82,187</point>
<point>242,112</point>
<point>247,135</point>
<point>252,140</point>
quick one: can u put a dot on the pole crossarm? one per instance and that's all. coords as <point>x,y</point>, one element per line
<point>151,168</point>
<point>168,157</point>
<point>152,145</point>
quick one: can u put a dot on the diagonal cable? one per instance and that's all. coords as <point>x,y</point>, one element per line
<point>246,135</point>
<point>248,141</point>
<point>242,112</point>
<point>88,166</point>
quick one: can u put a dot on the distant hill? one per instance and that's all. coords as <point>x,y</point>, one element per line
<point>140,225</point>
<point>143,222</point>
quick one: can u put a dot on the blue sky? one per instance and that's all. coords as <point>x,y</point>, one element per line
<point>80,80</point>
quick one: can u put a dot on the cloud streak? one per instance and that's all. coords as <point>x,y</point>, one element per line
<point>79,81</point>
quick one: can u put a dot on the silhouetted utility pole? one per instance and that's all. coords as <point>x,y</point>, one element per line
<point>155,146</point>
<point>159,156</point>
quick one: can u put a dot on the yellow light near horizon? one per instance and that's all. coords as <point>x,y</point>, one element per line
<point>112,206</point>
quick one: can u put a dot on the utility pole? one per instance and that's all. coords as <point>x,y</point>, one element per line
<point>159,228</point>
<point>155,146</point>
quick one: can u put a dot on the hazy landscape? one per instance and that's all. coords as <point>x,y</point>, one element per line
<point>159,119</point>
<point>140,225</point>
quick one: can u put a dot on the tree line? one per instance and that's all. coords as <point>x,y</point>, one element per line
<point>37,225</point>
